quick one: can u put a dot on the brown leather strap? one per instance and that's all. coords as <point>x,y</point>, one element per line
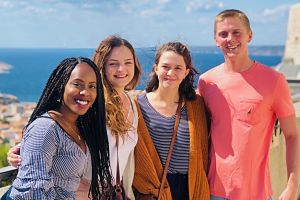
<point>118,179</point>
<point>118,188</point>
<point>163,180</point>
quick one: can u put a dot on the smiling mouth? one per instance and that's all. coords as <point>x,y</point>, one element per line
<point>231,48</point>
<point>169,79</point>
<point>81,102</point>
<point>120,76</point>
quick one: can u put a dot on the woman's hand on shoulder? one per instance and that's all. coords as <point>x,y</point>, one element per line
<point>13,156</point>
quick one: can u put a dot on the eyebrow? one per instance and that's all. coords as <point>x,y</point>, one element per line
<point>127,59</point>
<point>78,79</point>
<point>175,65</point>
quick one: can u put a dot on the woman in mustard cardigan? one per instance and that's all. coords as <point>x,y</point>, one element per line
<point>172,79</point>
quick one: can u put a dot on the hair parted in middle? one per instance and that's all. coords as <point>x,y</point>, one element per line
<point>92,125</point>
<point>115,118</point>
<point>186,87</point>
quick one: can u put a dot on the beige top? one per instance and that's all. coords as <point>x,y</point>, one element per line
<point>126,159</point>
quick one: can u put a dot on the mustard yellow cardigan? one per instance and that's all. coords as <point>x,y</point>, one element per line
<point>148,167</point>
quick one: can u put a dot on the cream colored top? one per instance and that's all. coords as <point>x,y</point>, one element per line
<point>126,158</point>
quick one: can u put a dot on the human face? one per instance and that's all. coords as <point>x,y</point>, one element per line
<point>119,68</point>
<point>232,37</point>
<point>80,91</point>
<point>171,70</point>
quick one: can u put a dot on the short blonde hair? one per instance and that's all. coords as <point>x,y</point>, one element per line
<point>232,13</point>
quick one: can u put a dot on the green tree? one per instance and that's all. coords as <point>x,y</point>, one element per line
<point>3,151</point>
<point>4,147</point>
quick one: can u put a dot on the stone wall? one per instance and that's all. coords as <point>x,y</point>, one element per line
<point>292,47</point>
<point>277,160</point>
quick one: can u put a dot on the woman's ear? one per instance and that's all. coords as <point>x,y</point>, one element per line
<point>187,72</point>
<point>155,68</point>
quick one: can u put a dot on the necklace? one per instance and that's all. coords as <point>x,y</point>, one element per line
<point>77,133</point>
<point>74,133</point>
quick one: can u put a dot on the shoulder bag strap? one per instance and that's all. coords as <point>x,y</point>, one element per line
<point>163,180</point>
<point>118,188</point>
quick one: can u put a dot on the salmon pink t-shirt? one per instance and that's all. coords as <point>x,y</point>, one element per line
<point>243,108</point>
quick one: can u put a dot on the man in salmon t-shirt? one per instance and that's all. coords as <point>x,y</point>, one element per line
<point>244,98</point>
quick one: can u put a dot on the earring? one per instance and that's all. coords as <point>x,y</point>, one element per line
<point>58,100</point>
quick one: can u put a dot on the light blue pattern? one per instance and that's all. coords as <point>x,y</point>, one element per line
<point>220,198</point>
<point>52,163</point>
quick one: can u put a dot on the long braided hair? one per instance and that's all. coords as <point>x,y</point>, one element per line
<point>92,125</point>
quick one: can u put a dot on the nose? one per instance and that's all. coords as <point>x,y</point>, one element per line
<point>229,37</point>
<point>170,71</point>
<point>84,92</point>
<point>120,67</point>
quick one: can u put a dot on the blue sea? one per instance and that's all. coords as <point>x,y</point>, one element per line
<point>32,67</point>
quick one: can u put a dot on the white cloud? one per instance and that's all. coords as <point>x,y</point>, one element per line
<point>6,4</point>
<point>39,10</point>
<point>280,10</point>
<point>126,8</point>
<point>50,1</point>
<point>145,8</point>
<point>89,5</point>
<point>198,5</point>
<point>163,1</point>
<point>153,12</point>
<point>272,14</point>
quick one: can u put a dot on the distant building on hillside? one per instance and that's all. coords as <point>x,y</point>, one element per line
<point>6,99</point>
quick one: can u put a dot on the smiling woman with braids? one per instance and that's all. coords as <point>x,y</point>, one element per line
<point>120,70</point>
<point>65,136</point>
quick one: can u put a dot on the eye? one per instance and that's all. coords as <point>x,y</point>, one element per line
<point>178,68</point>
<point>223,34</point>
<point>78,85</point>
<point>128,63</point>
<point>236,33</point>
<point>112,64</point>
<point>93,86</point>
<point>165,67</point>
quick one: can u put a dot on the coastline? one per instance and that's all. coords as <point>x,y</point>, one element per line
<point>4,68</point>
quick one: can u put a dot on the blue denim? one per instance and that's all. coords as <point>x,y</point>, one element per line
<point>179,186</point>
<point>217,198</point>
<point>6,194</point>
<point>221,198</point>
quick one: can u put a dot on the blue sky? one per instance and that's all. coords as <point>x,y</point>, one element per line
<point>84,23</point>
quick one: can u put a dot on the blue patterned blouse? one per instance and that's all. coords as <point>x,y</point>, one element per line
<point>52,163</point>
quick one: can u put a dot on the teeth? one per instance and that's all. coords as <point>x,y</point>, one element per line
<point>82,102</point>
<point>121,76</point>
<point>231,47</point>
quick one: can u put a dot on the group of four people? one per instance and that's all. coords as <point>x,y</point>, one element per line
<point>69,147</point>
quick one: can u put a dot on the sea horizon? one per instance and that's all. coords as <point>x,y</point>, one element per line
<point>31,67</point>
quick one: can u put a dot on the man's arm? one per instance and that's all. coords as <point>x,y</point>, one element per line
<point>292,140</point>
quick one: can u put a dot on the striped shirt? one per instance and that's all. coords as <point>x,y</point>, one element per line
<point>52,163</point>
<point>161,131</point>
